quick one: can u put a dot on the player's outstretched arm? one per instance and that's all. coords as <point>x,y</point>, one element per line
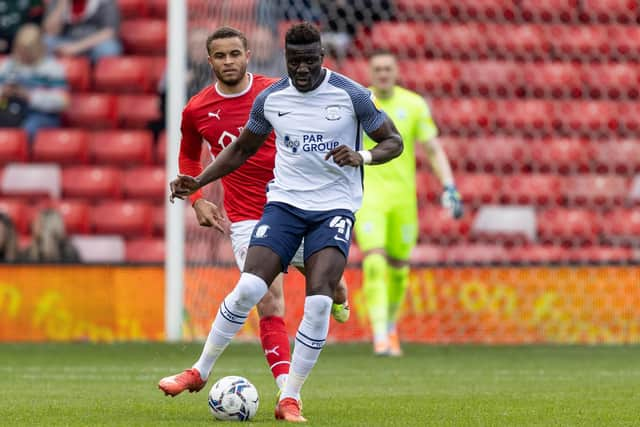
<point>230,159</point>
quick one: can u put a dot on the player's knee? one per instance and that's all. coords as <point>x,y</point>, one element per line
<point>374,266</point>
<point>317,307</point>
<point>249,290</point>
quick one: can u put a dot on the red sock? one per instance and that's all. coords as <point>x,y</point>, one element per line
<point>275,343</point>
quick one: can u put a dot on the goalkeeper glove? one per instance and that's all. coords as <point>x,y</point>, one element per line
<point>451,200</point>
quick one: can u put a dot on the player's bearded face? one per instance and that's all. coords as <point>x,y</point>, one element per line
<point>228,59</point>
<point>304,65</point>
<point>384,72</point>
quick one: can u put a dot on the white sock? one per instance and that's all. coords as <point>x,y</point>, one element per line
<point>281,380</point>
<point>311,336</point>
<point>231,316</point>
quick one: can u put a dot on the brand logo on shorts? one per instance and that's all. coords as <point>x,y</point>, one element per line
<point>261,231</point>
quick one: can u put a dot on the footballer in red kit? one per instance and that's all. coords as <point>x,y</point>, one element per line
<point>216,116</point>
<point>218,119</point>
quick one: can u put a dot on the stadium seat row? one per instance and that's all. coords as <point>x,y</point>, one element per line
<point>605,11</point>
<point>518,223</point>
<point>537,189</point>
<point>536,116</point>
<point>87,182</point>
<point>454,115</point>
<point>77,146</point>
<point>491,78</point>
<point>479,40</point>
<point>95,182</point>
<point>522,223</point>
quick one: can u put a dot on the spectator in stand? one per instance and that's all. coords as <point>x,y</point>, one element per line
<point>13,14</point>
<point>83,27</point>
<point>8,240</point>
<point>50,243</point>
<point>33,89</point>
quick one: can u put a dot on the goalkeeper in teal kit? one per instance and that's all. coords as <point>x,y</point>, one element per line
<point>387,224</point>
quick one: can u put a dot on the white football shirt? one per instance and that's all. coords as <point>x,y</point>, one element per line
<point>307,126</point>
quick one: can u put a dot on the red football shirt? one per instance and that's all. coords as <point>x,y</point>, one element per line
<point>218,119</point>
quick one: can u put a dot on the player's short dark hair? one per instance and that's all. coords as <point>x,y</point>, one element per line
<point>381,52</point>
<point>227,33</point>
<point>303,33</point>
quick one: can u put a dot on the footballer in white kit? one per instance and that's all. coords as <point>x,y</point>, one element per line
<point>318,117</point>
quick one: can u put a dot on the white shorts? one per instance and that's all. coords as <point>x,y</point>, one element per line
<point>241,237</point>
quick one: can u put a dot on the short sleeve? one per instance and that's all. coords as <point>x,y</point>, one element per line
<point>426,128</point>
<point>258,123</point>
<point>362,99</point>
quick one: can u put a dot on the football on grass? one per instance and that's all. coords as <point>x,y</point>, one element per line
<point>233,398</point>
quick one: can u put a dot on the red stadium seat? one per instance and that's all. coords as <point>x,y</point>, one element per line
<point>487,78</point>
<point>552,79</point>
<point>14,146</point>
<point>622,224</point>
<point>596,190</point>
<point>405,37</point>
<point>437,225</point>
<point>600,254</point>
<point>428,254</point>
<point>491,154</point>
<point>78,72</point>
<point>579,41</point>
<point>356,69</point>
<point>146,250</point>
<point>462,9</point>
<point>550,10</point>
<point>606,11</point>
<point>17,211</point>
<point>559,154</point>
<point>434,77</point>
<point>133,8</point>
<point>588,117</point>
<point>146,182</point>
<point>624,40</point>
<point>532,189</point>
<point>144,36</point>
<point>617,156</point>
<point>477,189</point>
<point>75,214</point>
<point>533,253</point>
<point>129,218</point>
<point>124,74</point>
<point>568,225</point>
<point>92,110</point>
<point>136,111</point>
<point>157,8</point>
<point>611,80</point>
<point>463,114</point>
<point>123,147</point>
<point>534,116</point>
<point>65,146</point>
<point>94,182</point>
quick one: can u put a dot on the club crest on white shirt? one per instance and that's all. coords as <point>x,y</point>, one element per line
<point>332,112</point>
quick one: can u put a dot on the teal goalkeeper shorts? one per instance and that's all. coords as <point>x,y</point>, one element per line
<point>392,228</point>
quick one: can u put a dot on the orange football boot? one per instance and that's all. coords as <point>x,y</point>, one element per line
<point>187,380</point>
<point>288,409</point>
<point>394,344</point>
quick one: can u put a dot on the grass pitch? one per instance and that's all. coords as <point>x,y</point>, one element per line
<point>92,385</point>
